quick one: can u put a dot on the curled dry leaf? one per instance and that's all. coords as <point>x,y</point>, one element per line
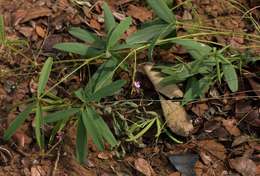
<point>40,31</point>
<point>175,115</point>
<point>94,24</point>
<point>144,167</point>
<point>243,165</point>
<point>214,148</point>
<point>231,126</point>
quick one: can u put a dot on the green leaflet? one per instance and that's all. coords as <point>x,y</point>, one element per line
<point>118,32</point>
<point>77,48</point>
<point>103,76</point>
<point>38,125</point>
<point>146,34</point>
<point>230,76</point>
<point>19,120</point>
<point>197,50</point>
<point>44,76</point>
<point>196,88</point>
<point>104,130</point>
<point>108,90</point>
<point>162,10</point>
<point>81,141</point>
<point>60,115</point>
<point>83,35</point>
<point>110,22</point>
<point>90,123</point>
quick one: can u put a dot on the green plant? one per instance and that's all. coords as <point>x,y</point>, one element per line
<point>208,65</point>
<point>88,120</point>
<point>13,45</point>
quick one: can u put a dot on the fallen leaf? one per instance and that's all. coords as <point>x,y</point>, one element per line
<point>36,13</point>
<point>243,165</point>
<point>240,140</point>
<point>144,167</point>
<point>248,113</point>
<point>176,117</point>
<point>40,31</point>
<point>94,24</point>
<point>231,126</point>
<point>200,108</point>
<point>210,126</point>
<point>26,31</point>
<point>205,158</point>
<point>184,163</point>
<point>171,91</point>
<point>140,13</point>
<point>214,148</point>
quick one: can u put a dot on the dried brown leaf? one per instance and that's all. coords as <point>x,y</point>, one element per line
<point>140,13</point>
<point>231,126</point>
<point>243,165</point>
<point>144,167</point>
<point>214,148</point>
<point>176,117</point>
<point>94,24</point>
<point>40,31</point>
<point>36,13</point>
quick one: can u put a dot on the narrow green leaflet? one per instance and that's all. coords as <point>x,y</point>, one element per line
<point>197,50</point>
<point>118,32</point>
<point>44,76</point>
<point>2,29</point>
<point>81,141</point>
<point>19,120</point>
<point>90,123</point>
<point>162,10</point>
<point>164,32</point>
<point>108,90</point>
<point>146,127</point>
<point>196,88</point>
<point>104,129</point>
<point>103,76</point>
<point>60,115</point>
<point>230,76</point>
<point>83,35</point>
<point>38,125</point>
<point>110,22</point>
<point>77,48</point>
<point>146,34</point>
